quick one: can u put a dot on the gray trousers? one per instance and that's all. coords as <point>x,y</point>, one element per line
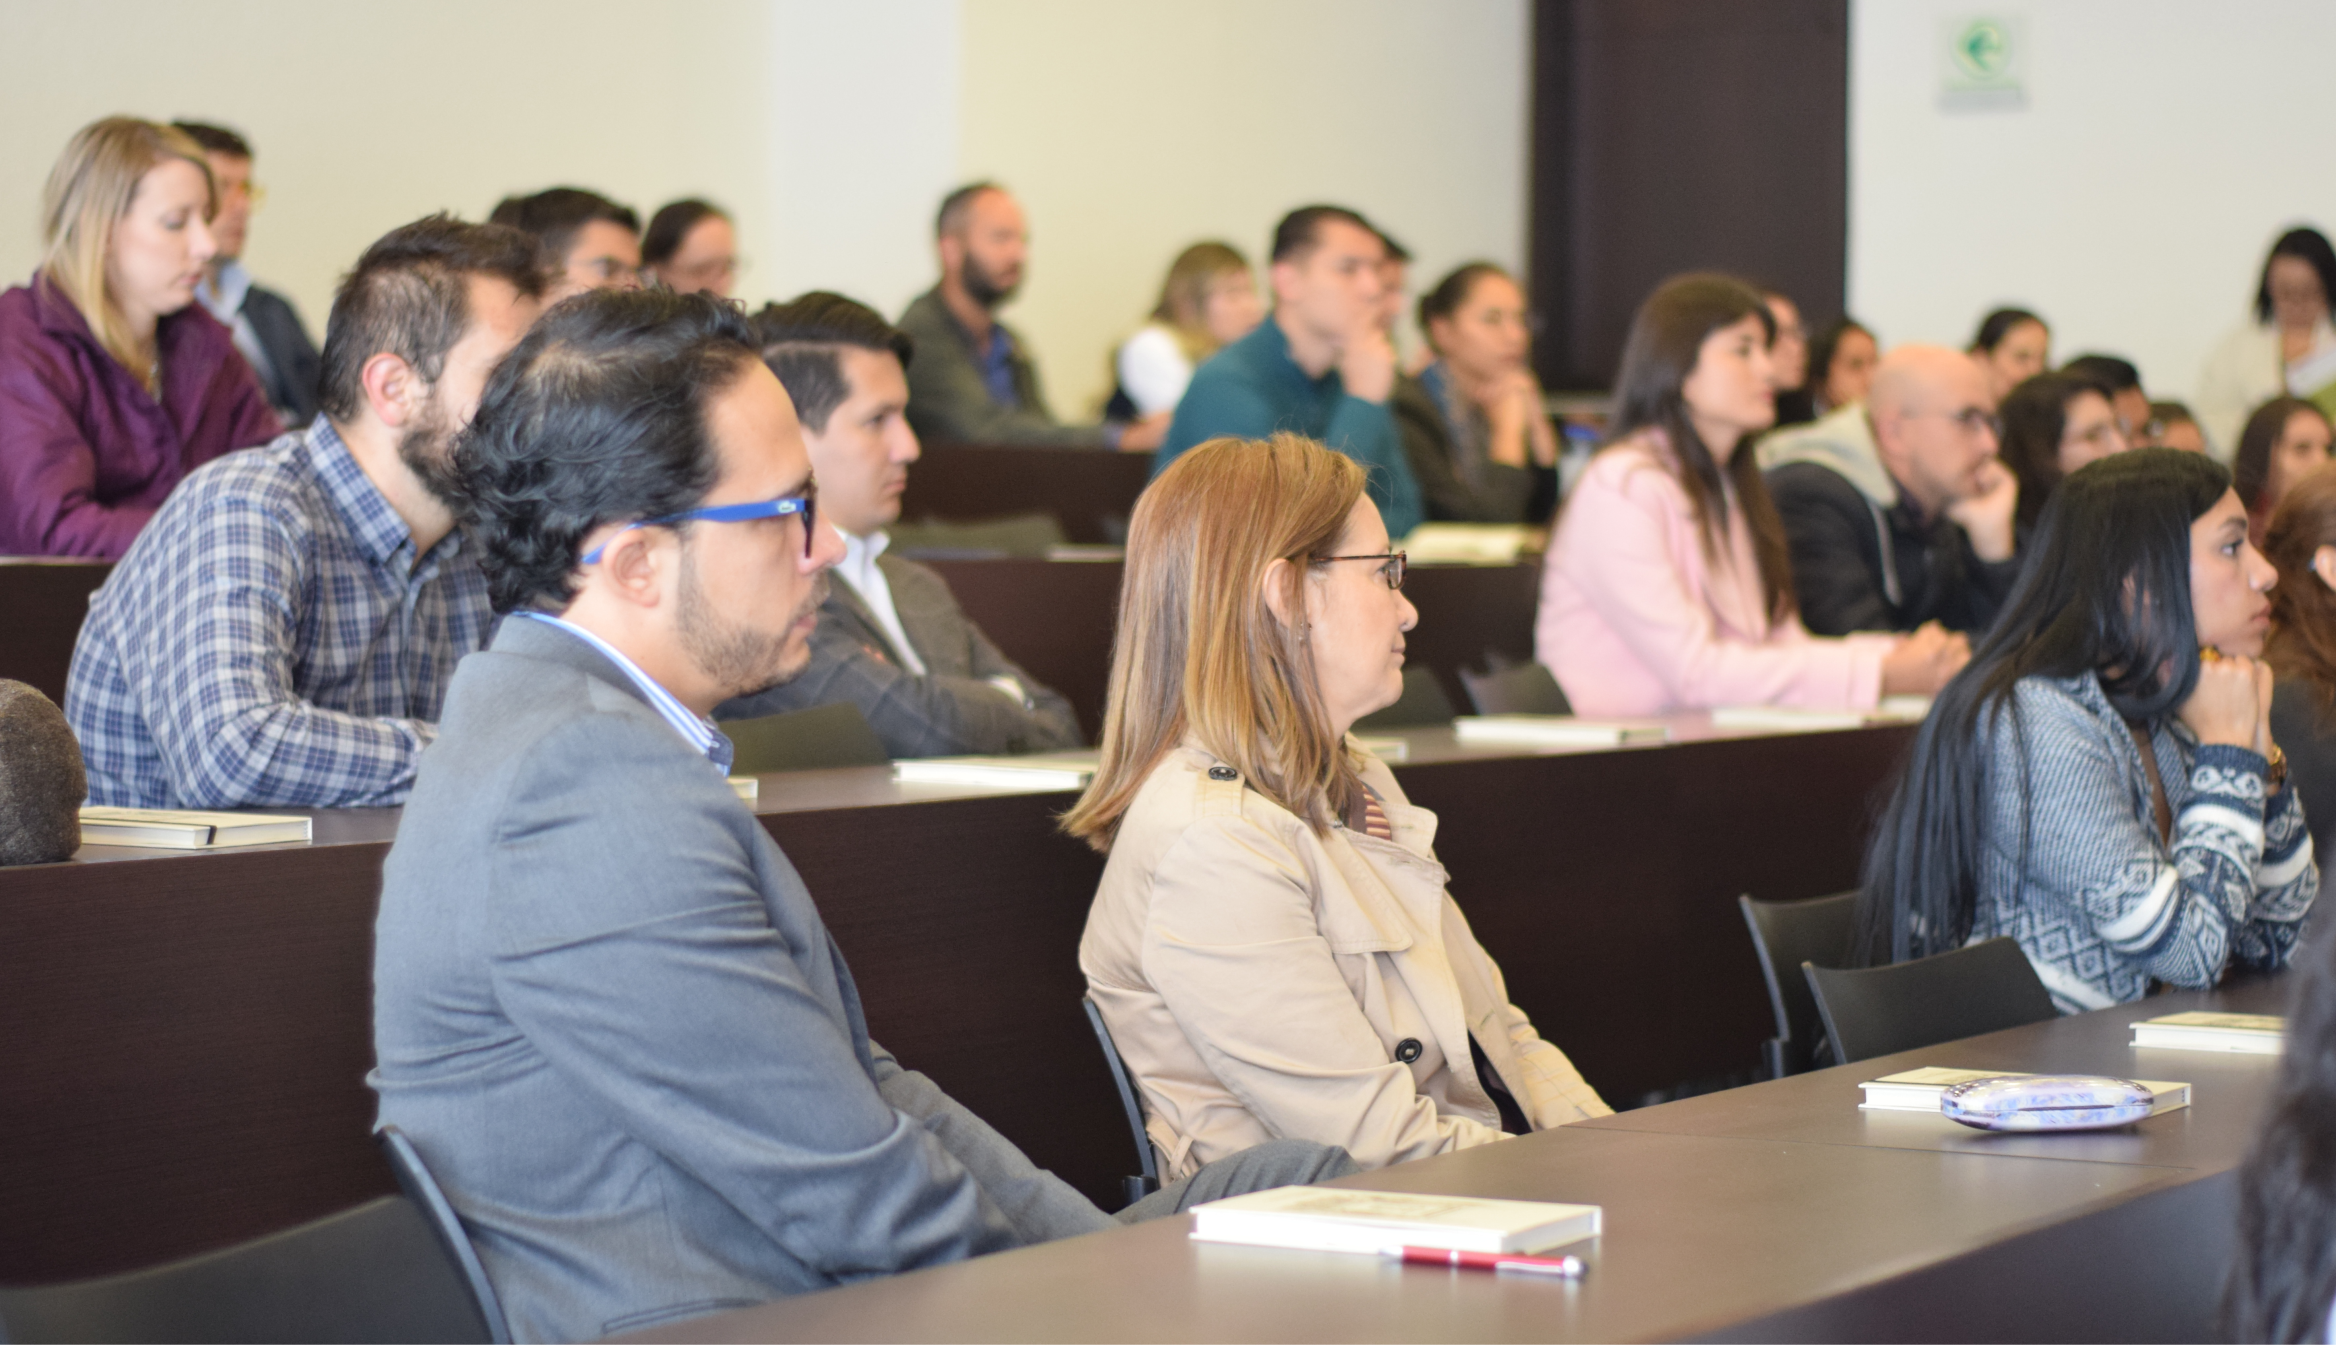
<point>1042,1207</point>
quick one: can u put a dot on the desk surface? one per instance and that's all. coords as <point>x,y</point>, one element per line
<point>1724,1215</point>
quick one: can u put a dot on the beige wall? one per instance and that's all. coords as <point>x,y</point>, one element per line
<point>1129,128</point>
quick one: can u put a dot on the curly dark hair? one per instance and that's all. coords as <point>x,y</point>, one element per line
<point>598,416</point>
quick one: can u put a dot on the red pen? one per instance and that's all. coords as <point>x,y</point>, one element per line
<point>1511,1263</point>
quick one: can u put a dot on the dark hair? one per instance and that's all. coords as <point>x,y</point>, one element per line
<point>215,139</point>
<point>2115,375</point>
<point>409,296</point>
<point>2104,589</point>
<point>800,339</point>
<point>1396,252</point>
<point>557,214</point>
<point>1825,344</point>
<point>2034,414</point>
<point>1666,338</point>
<point>957,205</point>
<point>1999,324</point>
<point>2172,413</point>
<point>2284,1275</point>
<point>1451,292</point>
<point>2251,465</point>
<point>2306,244</point>
<point>1301,230</point>
<point>2303,610</point>
<point>671,224</point>
<point>599,415</point>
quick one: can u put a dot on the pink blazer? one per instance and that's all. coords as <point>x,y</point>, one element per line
<point>1635,619</point>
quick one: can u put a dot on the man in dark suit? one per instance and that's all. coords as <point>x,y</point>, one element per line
<point>266,327</point>
<point>891,639</point>
<point>606,1010</point>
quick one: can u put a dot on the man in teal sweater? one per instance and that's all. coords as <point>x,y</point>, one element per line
<point>1320,366</point>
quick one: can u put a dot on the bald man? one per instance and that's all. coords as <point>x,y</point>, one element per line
<point>1898,510</point>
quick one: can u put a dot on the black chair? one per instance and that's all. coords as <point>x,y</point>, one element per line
<point>413,1178</point>
<point>819,738</point>
<point>374,1273</point>
<point>1786,934</point>
<point>1527,689</point>
<point>1423,703</point>
<point>1131,1102</point>
<point>1985,987</point>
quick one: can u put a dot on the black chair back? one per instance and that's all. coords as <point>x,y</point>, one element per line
<point>1786,934</point>
<point>1985,987</point>
<point>819,738</point>
<point>374,1273</point>
<point>1423,703</point>
<point>1527,689</point>
<point>1131,1103</point>
<point>413,1178</point>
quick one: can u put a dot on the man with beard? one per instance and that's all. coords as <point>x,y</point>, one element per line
<point>973,381</point>
<point>606,1010</point>
<point>284,631</point>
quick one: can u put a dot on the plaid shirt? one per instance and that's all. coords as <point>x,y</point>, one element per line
<point>272,638</point>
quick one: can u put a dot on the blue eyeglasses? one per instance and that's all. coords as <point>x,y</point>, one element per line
<point>806,504</point>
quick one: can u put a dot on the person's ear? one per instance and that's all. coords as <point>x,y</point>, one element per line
<point>393,391</point>
<point>1274,587</point>
<point>1284,278</point>
<point>635,565</point>
<point>951,246</point>
<point>2324,565</point>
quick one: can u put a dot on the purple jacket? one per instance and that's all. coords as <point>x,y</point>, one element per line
<point>86,455</point>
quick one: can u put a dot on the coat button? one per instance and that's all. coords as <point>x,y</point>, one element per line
<point>1407,1050</point>
<point>1223,773</point>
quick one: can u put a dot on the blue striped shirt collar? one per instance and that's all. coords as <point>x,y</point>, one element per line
<point>699,733</point>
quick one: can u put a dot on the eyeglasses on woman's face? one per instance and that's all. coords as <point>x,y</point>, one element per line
<point>1392,566</point>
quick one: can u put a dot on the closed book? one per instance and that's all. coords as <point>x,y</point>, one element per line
<point>179,829</point>
<point>1468,543</point>
<point>2245,1033</point>
<point>1386,749</point>
<point>1327,1219</point>
<point>1559,730</point>
<point>1919,1089</point>
<point>1071,771</point>
<point>746,787</point>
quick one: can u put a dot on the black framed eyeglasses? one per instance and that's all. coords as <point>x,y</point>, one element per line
<point>1392,566</point>
<point>805,503</point>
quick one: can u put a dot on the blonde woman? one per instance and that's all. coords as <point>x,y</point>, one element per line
<point>1209,300</point>
<point>1272,945</point>
<point>113,383</point>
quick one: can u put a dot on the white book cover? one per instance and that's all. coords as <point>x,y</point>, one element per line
<point>746,787</point>
<point>1559,730</point>
<point>1892,710</point>
<point>1388,749</point>
<point>1919,1089</point>
<point>1329,1219</point>
<point>2241,1033</point>
<point>185,829</point>
<point>1062,771</point>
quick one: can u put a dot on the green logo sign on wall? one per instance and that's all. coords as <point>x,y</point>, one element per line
<point>1983,63</point>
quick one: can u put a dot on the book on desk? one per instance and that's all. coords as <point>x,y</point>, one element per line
<point>2242,1033</point>
<point>1328,1219</point>
<point>1918,1090</point>
<point>1558,730</point>
<point>1067,770</point>
<point>185,829</point>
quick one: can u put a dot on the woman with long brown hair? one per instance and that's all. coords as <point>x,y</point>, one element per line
<point>2300,543</point>
<point>1669,580</point>
<point>114,383</point>
<point>2285,438</point>
<point>1272,945</point>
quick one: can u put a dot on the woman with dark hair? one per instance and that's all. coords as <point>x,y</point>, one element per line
<point>2284,1276</point>
<point>2284,439</point>
<point>1473,423</point>
<point>2286,346</point>
<point>2301,544</point>
<point>1669,584</point>
<point>691,248</point>
<point>1789,357</point>
<point>1841,364</point>
<point>2052,425</point>
<point>2101,783</point>
<point>2012,345</point>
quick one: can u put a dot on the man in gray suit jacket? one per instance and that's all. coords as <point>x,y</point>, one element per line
<point>891,639</point>
<point>606,1011</point>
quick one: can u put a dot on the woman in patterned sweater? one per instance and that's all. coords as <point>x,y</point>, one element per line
<point>2100,782</point>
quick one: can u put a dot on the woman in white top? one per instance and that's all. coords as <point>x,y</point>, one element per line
<point>2288,346</point>
<point>1208,301</point>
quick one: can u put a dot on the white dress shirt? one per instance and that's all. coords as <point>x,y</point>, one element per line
<point>858,568</point>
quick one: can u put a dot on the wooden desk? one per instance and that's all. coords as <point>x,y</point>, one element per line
<point>1056,618</point>
<point>1776,1212</point>
<point>187,1034</point>
<point>42,603</point>
<point>1092,491</point>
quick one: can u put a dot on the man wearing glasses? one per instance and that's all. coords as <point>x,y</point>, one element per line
<point>1899,512</point>
<point>267,329</point>
<point>606,1010</point>
<point>589,242</point>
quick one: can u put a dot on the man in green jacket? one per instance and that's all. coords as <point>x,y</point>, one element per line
<point>973,381</point>
<point>1320,365</point>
